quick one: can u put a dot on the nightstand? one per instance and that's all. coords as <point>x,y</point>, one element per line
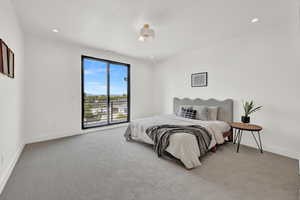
<point>239,128</point>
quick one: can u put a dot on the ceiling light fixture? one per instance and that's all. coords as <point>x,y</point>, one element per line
<point>55,30</point>
<point>254,20</point>
<point>146,33</point>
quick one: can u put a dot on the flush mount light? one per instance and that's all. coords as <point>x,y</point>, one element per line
<point>254,20</point>
<point>141,38</point>
<point>146,33</point>
<point>55,30</point>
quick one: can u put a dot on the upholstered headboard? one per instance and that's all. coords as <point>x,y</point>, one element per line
<point>225,112</point>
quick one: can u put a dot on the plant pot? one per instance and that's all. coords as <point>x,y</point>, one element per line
<point>245,119</point>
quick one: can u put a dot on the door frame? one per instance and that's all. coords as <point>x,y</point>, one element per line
<point>108,92</point>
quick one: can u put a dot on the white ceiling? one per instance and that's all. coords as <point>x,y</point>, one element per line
<point>180,25</point>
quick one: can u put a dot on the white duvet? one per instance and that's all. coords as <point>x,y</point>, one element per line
<point>181,145</point>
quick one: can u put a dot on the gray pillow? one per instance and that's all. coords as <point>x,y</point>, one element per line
<point>202,112</point>
<point>212,113</point>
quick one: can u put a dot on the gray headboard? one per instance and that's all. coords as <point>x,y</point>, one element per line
<point>225,112</point>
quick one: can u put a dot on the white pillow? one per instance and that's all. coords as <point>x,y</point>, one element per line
<point>212,113</point>
<point>202,112</point>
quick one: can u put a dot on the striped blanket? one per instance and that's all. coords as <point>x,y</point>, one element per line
<point>160,135</point>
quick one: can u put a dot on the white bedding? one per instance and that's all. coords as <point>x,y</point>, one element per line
<point>182,146</point>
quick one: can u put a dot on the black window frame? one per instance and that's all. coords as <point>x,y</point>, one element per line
<point>108,92</point>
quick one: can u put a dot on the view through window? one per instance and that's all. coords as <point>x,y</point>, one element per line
<point>105,92</point>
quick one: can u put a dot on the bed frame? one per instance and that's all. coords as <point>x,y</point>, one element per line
<point>225,111</point>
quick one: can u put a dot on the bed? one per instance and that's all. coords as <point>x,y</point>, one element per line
<point>183,146</point>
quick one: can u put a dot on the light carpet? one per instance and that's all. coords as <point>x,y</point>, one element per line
<point>103,166</point>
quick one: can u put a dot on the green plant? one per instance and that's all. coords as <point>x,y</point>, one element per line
<point>249,108</point>
<point>121,116</point>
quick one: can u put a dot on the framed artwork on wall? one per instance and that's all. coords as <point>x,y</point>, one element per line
<point>199,79</point>
<point>1,63</point>
<point>11,63</point>
<point>7,60</point>
<point>4,58</point>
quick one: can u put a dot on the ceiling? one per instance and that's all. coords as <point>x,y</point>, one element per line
<point>180,25</point>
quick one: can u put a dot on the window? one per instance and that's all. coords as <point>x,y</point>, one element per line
<point>105,92</point>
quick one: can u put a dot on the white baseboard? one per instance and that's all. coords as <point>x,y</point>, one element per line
<point>7,172</point>
<point>44,138</point>
<point>273,149</point>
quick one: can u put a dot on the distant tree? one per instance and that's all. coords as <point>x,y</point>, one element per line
<point>98,115</point>
<point>88,111</point>
<point>121,116</point>
<point>88,115</point>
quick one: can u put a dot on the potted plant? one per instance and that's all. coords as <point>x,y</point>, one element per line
<point>249,108</point>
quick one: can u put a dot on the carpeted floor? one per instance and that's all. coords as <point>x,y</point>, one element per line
<point>102,166</point>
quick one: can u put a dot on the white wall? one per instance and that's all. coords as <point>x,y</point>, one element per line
<point>263,66</point>
<point>53,87</point>
<point>10,92</point>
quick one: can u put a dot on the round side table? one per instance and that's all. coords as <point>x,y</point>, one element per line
<point>239,128</point>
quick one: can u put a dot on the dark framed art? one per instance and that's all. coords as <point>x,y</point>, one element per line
<point>11,63</point>
<point>1,63</point>
<point>4,58</point>
<point>199,79</point>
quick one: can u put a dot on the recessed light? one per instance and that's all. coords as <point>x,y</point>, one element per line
<point>55,30</point>
<point>254,20</point>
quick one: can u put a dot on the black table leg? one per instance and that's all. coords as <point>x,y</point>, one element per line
<point>258,144</point>
<point>255,140</point>
<point>236,133</point>
<point>234,136</point>
<point>261,148</point>
<point>239,140</point>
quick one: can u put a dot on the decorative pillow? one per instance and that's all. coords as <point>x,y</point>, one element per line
<point>188,113</point>
<point>201,113</point>
<point>183,106</point>
<point>212,113</point>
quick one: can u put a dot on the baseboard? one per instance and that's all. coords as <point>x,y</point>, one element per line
<point>275,149</point>
<point>44,138</point>
<point>8,171</point>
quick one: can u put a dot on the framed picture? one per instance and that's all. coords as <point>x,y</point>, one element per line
<point>1,62</point>
<point>199,79</point>
<point>4,58</point>
<point>11,63</point>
